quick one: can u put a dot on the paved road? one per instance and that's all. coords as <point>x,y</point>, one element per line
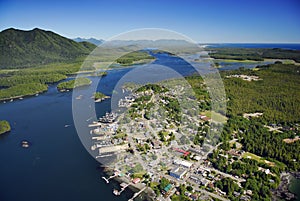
<point>206,192</point>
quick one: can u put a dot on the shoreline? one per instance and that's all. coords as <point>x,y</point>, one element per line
<point>99,100</point>
<point>283,192</point>
<point>20,97</point>
<point>134,188</point>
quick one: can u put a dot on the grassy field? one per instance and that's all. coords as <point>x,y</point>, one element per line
<point>257,158</point>
<point>236,61</point>
<point>217,116</point>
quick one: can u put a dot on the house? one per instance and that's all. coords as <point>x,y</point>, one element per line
<point>197,158</point>
<point>156,144</point>
<point>204,182</point>
<point>167,188</point>
<point>205,118</point>
<point>183,163</point>
<point>245,197</point>
<point>136,180</point>
<point>194,196</point>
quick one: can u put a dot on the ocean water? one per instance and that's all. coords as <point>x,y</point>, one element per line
<point>292,46</point>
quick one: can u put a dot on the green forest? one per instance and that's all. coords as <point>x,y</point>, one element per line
<point>23,49</point>
<point>133,57</point>
<point>99,95</point>
<point>21,90</point>
<point>276,95</point>
<point>29,81</point>
<point>257,54</point>
<point>71,84</point>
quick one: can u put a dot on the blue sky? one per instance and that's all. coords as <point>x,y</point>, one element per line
<point>204,21</point>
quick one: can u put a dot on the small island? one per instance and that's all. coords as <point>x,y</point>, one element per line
<point>71,84</point>
<point>134,58</point>
<point>98,97</point>
<point>4,127</point>
<point>101,74</point>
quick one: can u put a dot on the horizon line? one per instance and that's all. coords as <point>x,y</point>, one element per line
<point>201,43</point>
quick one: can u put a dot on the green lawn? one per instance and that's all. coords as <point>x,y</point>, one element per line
<point>216,116</point>
<point>257,158</point>
<point>236,60</point>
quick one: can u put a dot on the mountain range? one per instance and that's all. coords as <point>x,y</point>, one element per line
<point>20,49</point>
<point>90,40</point>
<point>23,49</point>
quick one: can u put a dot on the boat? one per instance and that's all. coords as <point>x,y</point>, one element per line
<point>25,144</point>
<point>79,97</point>
<point>108,117</point>
<point>116,192</point>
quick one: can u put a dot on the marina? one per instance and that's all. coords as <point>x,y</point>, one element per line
<point>108,117</point>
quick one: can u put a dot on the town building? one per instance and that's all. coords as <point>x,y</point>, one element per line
<point>178,172</point>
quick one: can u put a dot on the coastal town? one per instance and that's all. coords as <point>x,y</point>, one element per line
<point>154,147</point>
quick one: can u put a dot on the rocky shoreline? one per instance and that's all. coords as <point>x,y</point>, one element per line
<point>282,192</point>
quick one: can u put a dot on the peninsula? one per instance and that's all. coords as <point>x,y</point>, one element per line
<point>71,84</point>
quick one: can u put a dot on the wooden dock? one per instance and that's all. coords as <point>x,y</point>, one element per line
<point>137,194</point>
<point>124,186</point>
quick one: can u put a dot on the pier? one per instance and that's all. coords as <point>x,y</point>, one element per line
<point>137,194</point>
<point>113,176</point>
<point>108,117</point>
<point>95,124</point>
<point>124,186</point>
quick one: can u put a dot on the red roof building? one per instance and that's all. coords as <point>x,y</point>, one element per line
<point>136,180</point>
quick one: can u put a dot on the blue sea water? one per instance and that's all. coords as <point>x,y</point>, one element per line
<point>293,46</point>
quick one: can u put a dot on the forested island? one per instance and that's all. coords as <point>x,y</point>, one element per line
<point>4,127</point>
<point>98,96</point>
<point>137,57</point>
<point>71,84</point>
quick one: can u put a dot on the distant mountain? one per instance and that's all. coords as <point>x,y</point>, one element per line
<point>20,49</point>
<point>90,40</point>
<point>172,45</point>
<point>151,43</point>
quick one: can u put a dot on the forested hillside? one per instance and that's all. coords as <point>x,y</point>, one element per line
<point>20,49</point>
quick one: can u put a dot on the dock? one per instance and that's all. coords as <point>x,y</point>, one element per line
<point>113,176</point>
<point>108,117</point>
<point>124,186</point>
<point>95,124</point>
<point>137,194</point>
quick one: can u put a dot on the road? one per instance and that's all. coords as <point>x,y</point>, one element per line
<point>206,192</point>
